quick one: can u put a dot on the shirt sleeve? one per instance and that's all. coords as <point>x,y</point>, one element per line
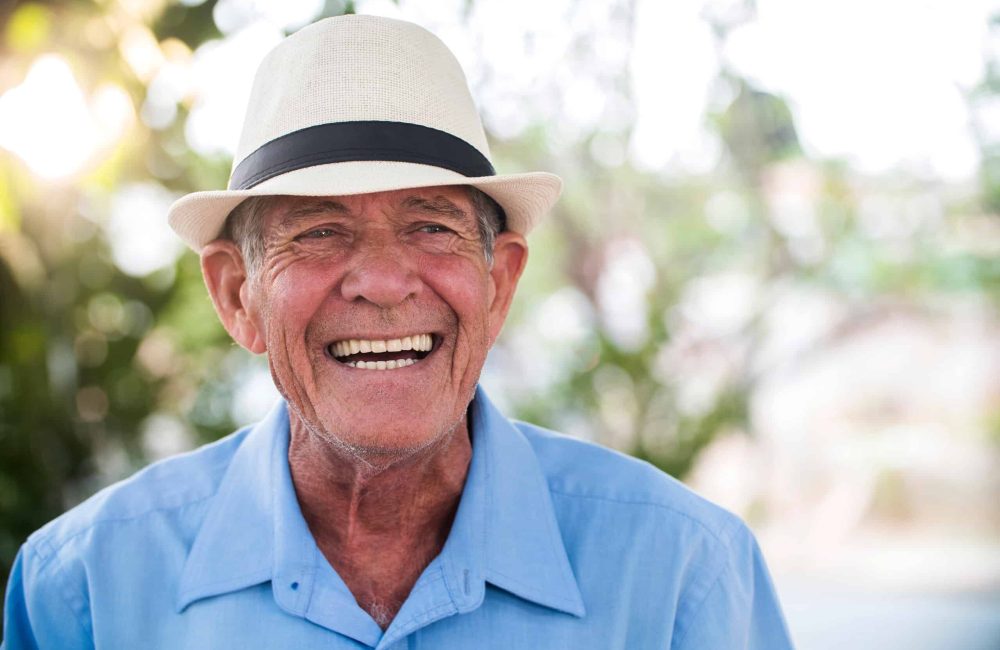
<point>741,608</point>
<point>41,611</point>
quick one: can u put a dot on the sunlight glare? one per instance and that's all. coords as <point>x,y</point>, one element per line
<point>46,122</point>
<point>141,241</point>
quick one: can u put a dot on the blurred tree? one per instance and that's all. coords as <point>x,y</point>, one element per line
<point>75,384</point>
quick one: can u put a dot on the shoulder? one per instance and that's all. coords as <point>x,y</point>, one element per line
<point>629,527</point>
<point>607,480</point>
<point>140,525</point>
<point>162,490</point>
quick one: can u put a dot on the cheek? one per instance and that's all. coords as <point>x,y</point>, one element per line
<point>460,283</point>
<point>296,296</point>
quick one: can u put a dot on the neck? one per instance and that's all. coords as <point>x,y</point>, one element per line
<point>340,494</point>
<point>379,524</point>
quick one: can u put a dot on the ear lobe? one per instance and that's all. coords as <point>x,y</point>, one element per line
<point>226,279</point>
<point>510,254</point>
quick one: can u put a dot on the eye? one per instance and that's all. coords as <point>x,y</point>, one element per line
<point>435,228</point>
<point>318,233</point>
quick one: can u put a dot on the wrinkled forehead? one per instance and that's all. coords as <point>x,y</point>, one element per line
<point>452,203</point>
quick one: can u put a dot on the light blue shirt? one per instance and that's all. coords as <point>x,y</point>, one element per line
<point>557,543</point>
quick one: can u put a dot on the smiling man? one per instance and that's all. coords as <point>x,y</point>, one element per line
<point>367,246</point>
<point>388,303</point>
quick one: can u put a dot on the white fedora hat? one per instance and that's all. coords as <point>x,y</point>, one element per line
<point>359,104</point>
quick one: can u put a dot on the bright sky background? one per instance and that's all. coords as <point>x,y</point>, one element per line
<point>878,83</point>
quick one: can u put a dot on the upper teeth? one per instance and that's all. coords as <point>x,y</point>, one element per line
<point>418,342</point>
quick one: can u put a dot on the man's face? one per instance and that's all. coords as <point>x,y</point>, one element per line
<point>377,311</point>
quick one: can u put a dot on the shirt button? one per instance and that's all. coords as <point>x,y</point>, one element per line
<point>295,586</point>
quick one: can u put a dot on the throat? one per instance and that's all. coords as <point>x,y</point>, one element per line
<point>382,612</point>
<point>381,575</point>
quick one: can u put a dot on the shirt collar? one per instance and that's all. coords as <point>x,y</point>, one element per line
<point>506,525</point>
<point>234,548</point>
<point>505,530</point>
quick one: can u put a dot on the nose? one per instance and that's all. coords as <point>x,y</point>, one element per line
<point>381,274</point>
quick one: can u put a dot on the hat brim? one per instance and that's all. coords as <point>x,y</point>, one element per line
<point>198,217</point>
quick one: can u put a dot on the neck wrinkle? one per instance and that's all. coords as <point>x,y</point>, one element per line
<point>347,501</point>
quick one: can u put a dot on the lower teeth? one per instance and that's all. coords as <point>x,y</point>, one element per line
<point>381,365</point>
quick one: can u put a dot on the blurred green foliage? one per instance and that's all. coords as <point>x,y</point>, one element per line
<point>88,353</point>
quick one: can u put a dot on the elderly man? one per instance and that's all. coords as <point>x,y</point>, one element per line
<point>369,249</point>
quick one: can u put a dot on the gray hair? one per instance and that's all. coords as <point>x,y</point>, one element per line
<point>244,226</point>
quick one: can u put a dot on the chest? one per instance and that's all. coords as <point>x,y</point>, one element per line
<point>381,577</point>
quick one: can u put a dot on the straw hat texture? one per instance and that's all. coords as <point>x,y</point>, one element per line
<point>359,104</point>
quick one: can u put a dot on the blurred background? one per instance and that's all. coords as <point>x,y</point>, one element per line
<point>774,272</point>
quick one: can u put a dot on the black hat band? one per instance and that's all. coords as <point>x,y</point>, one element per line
<point>362,140</point>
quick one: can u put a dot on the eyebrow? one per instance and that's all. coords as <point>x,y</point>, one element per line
<point>311,209</point>
<point>439,206</point>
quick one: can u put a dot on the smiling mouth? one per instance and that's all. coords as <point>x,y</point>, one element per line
<point>379,354</point>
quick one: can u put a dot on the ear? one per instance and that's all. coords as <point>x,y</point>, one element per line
<point>510,254</point>
<point>226,278</point>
